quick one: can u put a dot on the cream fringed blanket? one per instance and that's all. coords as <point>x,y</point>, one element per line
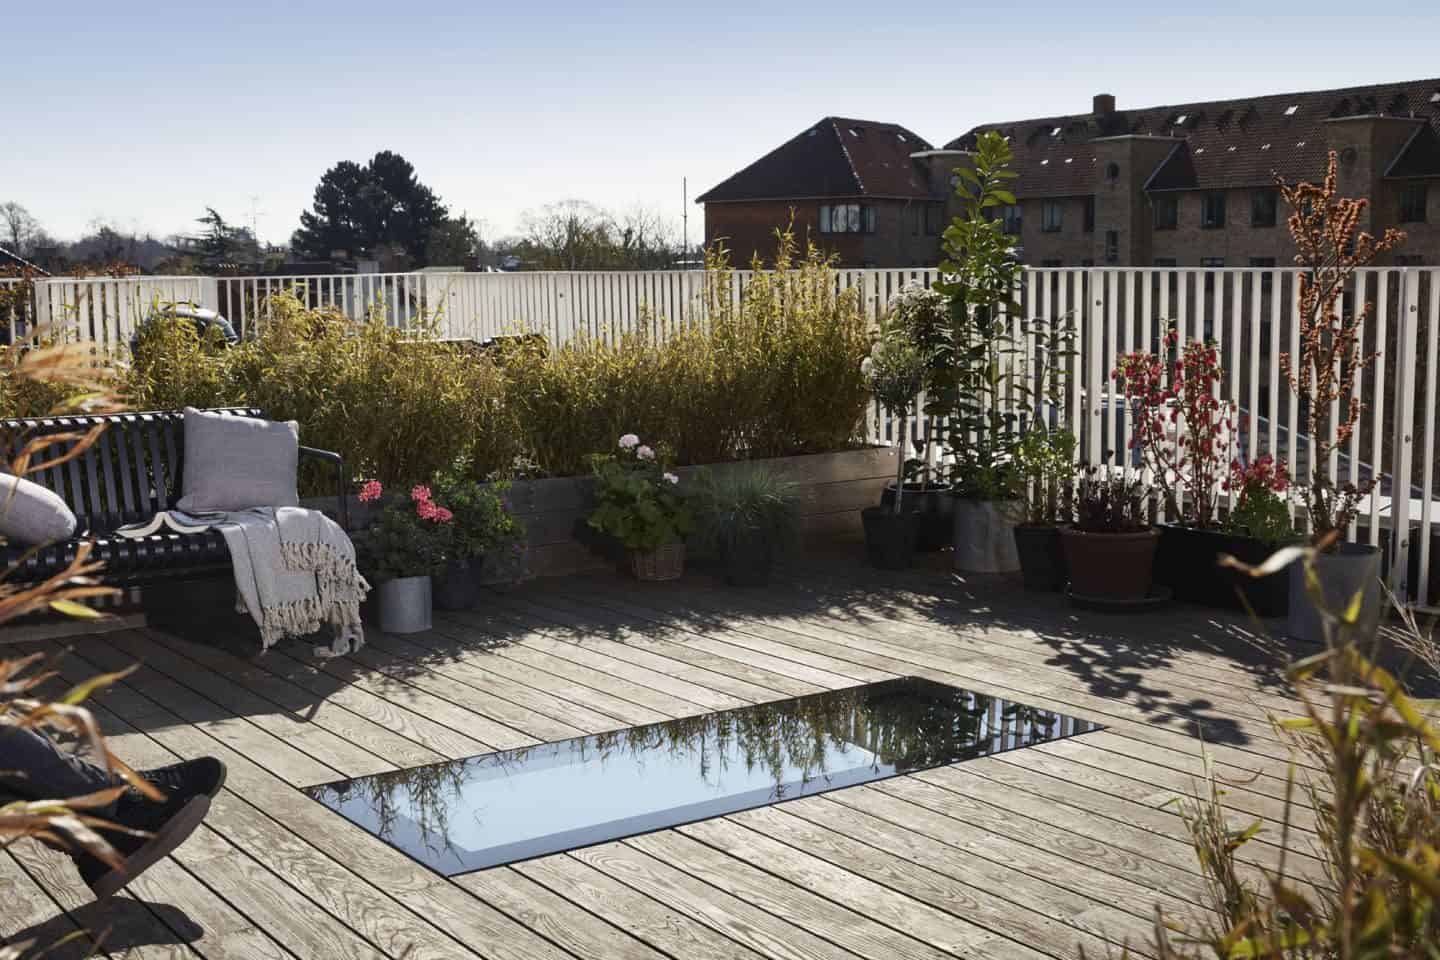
<point>294,573</point>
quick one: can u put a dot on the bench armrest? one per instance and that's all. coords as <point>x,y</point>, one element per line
<point>342,480</point>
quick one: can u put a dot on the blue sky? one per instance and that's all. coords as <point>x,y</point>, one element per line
<point>143,114</point>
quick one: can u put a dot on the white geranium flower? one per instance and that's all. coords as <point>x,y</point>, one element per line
<point>867,368</point>
<point>670,477</point>
<point>629,442</point>
<point>645,453</point>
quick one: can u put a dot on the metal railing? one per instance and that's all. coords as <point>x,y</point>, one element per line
<point>1250,313</point>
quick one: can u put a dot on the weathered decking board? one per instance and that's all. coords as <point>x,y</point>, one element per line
<point>1029,855</point>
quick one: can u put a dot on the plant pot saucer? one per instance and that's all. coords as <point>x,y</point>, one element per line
<point>1156,598</point>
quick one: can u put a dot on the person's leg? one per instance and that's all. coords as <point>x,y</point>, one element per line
<point>33,767</point>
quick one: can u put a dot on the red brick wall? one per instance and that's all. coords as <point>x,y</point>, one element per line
<point>748,227</point>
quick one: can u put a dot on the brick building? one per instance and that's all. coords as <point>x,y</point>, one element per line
<point>1185,185</point>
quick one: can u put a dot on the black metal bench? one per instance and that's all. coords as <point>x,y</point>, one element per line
<point>132,472</point>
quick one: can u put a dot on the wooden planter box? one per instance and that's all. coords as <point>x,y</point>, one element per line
<point>834,488</point>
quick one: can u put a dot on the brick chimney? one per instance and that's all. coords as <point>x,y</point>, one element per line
<point>1103,104</point>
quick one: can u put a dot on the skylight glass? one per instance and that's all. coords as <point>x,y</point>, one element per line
<point>1290,110</point>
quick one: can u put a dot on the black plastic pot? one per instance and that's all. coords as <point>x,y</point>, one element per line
<point>1187,561</point>
<point>749,562</point>
<point>889,537</point>
<point>1042,557</point>
<point>460,586</point>
<point>934,509</point>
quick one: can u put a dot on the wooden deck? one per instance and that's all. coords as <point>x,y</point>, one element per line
<point>1033,853</point>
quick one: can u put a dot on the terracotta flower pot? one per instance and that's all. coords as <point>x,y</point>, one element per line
<point>1110,566</point>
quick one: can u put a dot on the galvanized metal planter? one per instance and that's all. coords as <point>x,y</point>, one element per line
<point>404,605</point>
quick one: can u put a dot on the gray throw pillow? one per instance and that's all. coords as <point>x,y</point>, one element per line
<point>31,514</point>
<point>233,463</point>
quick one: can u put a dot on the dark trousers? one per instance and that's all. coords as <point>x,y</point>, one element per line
<point>33,768</point>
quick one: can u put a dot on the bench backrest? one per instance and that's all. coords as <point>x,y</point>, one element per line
<point>133,471</point>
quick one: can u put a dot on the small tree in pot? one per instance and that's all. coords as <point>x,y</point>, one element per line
<point>922,316</point>
<point>1331,248</point>
<point>1110,550</point>
<point>748,515</point>
<point>1185,435</point>
<point>895,371</point>
<point>979,275</point>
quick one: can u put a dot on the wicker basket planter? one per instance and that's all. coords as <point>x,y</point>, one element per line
<point>665,562</point>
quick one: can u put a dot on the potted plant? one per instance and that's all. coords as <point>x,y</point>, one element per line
<point>747,515</point>
<point>1323,380</point>
<point>979,275</point>
<point>922,316</point>
<point>1045,459</point>
<point>482,527</point>
<point>895,372</point>
<point>1110,549</point>
<point>638,503</point>
<point>1260,523</point>
<point>1184,433</point>
<point>405,545</point>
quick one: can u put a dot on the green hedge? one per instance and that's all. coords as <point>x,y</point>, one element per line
<point>776,374</point>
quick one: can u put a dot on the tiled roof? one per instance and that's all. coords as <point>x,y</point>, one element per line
<point>836,157</point>
<point>1227,143</point>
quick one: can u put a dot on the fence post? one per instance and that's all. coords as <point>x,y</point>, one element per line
<point>1406,340</point>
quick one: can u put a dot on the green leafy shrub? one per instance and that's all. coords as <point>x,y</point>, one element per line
<point>637,498</point>
<point>483,523</point>
<point>773,375</point>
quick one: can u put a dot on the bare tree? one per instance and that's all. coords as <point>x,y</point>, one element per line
<point>20,228</point>
<point>576,235</point>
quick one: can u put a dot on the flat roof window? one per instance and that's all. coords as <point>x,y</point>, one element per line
<point>1199,149</point>
<point>1290,110</point>
<point>1233,149</point>
<point>1264,146</point>
<point>1055,132</point>
<point>1182,118</point>
<point>1069,159</point>
<point>1043,162</point>
<point>900,137</point>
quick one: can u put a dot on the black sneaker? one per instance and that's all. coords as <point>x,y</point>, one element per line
<point>180,782</point>
<point>138,854</point>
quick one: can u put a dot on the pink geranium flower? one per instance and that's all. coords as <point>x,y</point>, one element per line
<point>420,493</point>
<point>371,490</point>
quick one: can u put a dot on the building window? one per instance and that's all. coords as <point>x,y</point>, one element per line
<point>1409,260</point>
<point>1052,263</point>
<point>1212,261</point>
<point>1112,172</point>
<point>1212,210</point>
<point>1412,203</point>
<point>1010,219</point>
<point>1089,215</point>
<point>1112,246</point>
<point>1088,262</point>
<point>1263,204</point>
<point>1263,263</point>
<point>847,218</point>
<point>1167,211</point>
<point>1164,261</point>
<point>1052,216</point>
